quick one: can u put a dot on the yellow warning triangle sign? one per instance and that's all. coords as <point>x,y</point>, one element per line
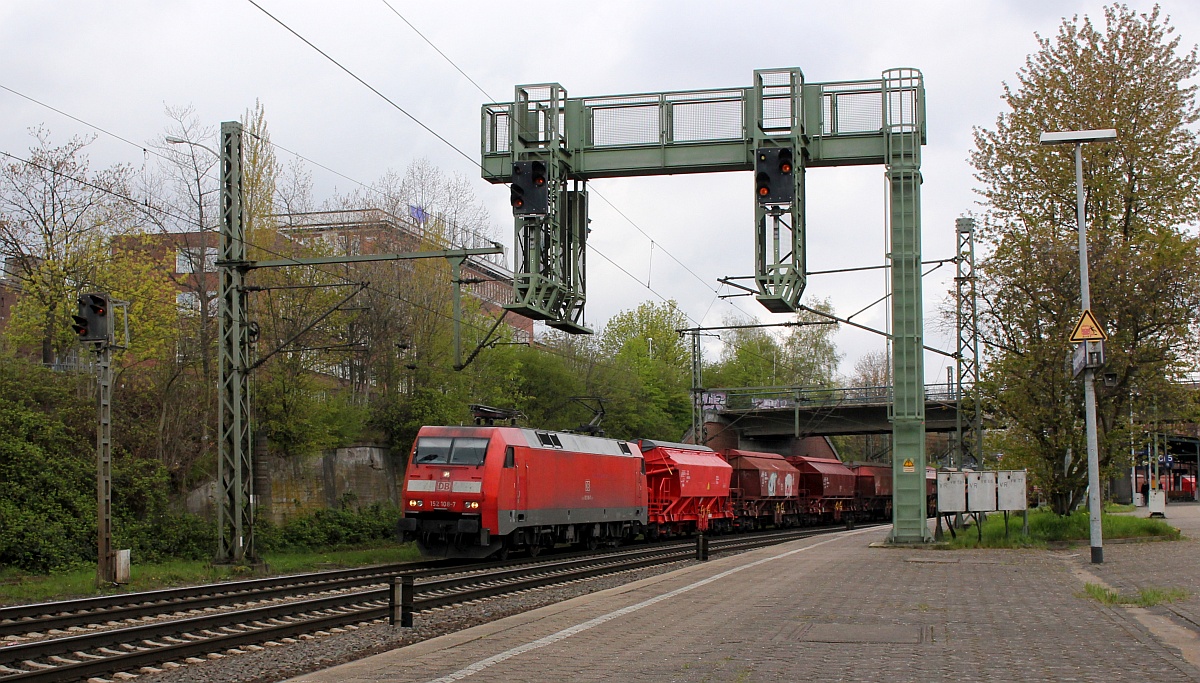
<point>1088,329</point>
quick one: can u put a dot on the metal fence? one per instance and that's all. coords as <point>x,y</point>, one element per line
<point>778,398</point>
<point>847,108</point>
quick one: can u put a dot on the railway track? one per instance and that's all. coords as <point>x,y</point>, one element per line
<point>130,648</point>
<point>42,617</point>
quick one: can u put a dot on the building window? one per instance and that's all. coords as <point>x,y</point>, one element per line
<point>188,302</point>
<point>187,258</point>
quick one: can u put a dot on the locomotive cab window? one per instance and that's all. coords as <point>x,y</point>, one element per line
<point>509,457</point>
<point>468,451</point>
<point>444,450</point>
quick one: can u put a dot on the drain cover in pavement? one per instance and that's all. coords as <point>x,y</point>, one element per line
<point>858,633</point>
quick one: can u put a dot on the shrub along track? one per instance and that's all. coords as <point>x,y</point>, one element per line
<point>130,648</point>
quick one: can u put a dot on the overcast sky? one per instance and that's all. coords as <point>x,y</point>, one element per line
<point>117,65</point>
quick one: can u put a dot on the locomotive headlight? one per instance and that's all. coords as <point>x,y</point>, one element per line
<point>472,505</point>
<point>412,503</point>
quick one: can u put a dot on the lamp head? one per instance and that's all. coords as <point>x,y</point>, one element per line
<point>1077,136</point>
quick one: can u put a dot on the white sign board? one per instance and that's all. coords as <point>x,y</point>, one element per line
<point>952,492</point>
<point>981,491</point>
<point>1010,490</point>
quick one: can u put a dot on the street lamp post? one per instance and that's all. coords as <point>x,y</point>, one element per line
<point>1078,138</point>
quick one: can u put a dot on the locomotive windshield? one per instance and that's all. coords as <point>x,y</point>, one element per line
<point>445,450</point>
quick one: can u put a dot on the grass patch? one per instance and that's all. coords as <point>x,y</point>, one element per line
<point>1146,597</point>
<point>1047,527</point>
<point>1118,507</point>
<point>18,588</point>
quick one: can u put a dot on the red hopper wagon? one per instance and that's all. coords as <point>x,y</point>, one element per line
<point>765,489</point>
<point>828,488</point>
<point>687,489</point>
<point>873,484</point>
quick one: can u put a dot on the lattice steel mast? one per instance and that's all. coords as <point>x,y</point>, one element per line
<point>969,429</point>
<point>235,470</point>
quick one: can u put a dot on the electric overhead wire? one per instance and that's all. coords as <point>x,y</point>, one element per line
<point>146,206</point>
<point>436,135</point>
<point>598,193</point>
<point>189,220</point>
<point>653,242</point>
<point>367,85</point>
<point>457,149</point>
<point>476,163</point>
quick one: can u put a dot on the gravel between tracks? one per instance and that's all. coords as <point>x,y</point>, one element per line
<point>271,664</point>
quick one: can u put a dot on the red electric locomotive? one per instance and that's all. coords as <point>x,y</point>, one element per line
<point>765,489</point>
<point>687,489</point>
<point>476,491</point>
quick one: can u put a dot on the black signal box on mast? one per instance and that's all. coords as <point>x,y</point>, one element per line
<point>529,194</point>
<point>92,321</point>
<point>774,175</point>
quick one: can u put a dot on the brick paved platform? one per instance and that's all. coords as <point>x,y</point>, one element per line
<point>833,609</point>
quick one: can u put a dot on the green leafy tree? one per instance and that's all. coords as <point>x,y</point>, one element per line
<point>648,372</point>
<point>260,171</point>
<point>804,355</point>
<point>47,469</point>
<point>1130,75</point>
<point>55,213</point>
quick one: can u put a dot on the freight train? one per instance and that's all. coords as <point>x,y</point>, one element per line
<point>475,492</point>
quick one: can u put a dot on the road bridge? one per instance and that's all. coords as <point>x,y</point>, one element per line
<point>774,412</point>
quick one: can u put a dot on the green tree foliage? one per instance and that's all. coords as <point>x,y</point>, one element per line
<point>55,213</point>
<point>804,355</point>
<point>48,480</point>
<point>1140,192</point>
<point>47,470</point>
<point>648,372</point>
<point>260,170</point>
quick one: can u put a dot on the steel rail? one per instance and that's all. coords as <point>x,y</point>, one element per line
<point>75,657</point>
<point>18,619</point>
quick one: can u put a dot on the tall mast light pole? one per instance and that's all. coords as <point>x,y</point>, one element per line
<point>1078,138</point>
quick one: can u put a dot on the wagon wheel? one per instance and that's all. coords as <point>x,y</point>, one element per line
<point>503,553</point>
<point>535,550</point>
<point>592,542</point>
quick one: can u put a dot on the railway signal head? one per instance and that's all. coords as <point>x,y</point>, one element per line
<point>80,324</point>
<point>529,193</point>
<point>774,175</point>
<point>91,321</point>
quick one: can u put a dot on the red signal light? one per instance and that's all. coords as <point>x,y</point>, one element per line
<point>764,191</point>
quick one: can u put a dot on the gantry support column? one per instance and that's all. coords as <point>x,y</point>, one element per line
<point>902,128</point>
<point>235,470</point>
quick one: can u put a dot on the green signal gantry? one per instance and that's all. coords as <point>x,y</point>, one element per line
<point>778,127</point>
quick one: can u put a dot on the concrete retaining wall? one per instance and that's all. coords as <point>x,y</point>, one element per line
<point>292,486</point>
